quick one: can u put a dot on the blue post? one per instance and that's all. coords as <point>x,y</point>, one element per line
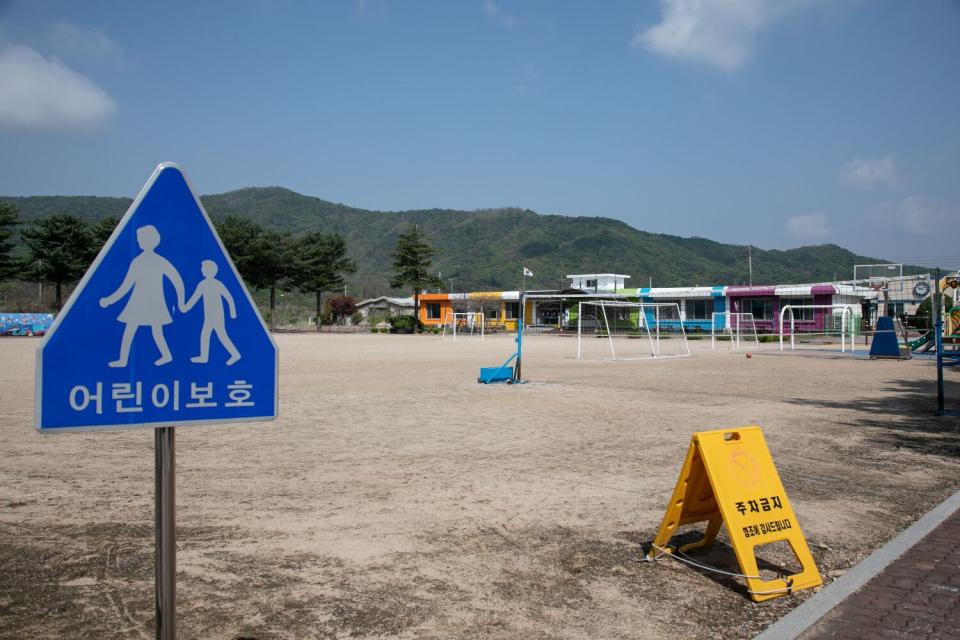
<point>516,371</point>
<point>938,338</point>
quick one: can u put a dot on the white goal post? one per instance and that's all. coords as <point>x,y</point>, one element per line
<point>463,324</point>
<point>818,322</point>
<point>738,328</point>
<point>631,330</point>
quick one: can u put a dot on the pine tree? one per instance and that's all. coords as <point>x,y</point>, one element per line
<point>320,265</point>
<point>412,257</point>
<point>272,265</point>
<point>9,219</point>
<point>263,258</point>
<point>63,246</point>
<point>239,236</point>
<point>103,230</point>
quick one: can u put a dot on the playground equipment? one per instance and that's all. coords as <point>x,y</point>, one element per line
<point>631,330</point>
<point>951,318</point>
<point>818,320</point>
<point>952,315</point>
<point>739,329</point>
<point>505,372</point>
<point>943,360</point>
<point>464,324</point>
<point>885,343</point>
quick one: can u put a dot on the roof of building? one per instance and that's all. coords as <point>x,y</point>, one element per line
<point>400,302</point>
<point>594,275</point>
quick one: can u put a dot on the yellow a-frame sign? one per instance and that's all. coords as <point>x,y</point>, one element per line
<point>729,477</point>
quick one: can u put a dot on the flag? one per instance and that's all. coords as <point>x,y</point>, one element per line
<point>527,272</point>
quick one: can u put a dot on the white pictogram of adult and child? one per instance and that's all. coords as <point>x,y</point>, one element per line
<point>147,306</point>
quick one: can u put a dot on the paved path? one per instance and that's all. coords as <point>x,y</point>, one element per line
<point>918,596</point>
<point>909,588</point>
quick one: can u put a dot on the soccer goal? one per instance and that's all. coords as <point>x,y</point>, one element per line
<point>614,330</point>
<point>738,330</point>
<point>468,324</point>
<point>822,322</point>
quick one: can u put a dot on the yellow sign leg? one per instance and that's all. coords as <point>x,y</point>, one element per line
<point>729,477</point>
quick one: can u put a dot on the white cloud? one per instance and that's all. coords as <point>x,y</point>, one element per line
<point>917,215</point>
<point>496,13</point>
<point>866,173</point>
<point>41,93</point>
<point>720,33</point>
<point>812,226</point>
<point>83,42</point>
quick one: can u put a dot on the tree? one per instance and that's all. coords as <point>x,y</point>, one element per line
<point>263,258</point>
<point>341,307</point>
<point>9,219</point>
<point>321,262</point>
<point>272,265</point>
<point>412,257</point>
<point>63,246</point>
<point>239,236</point>
<point>103,230</point>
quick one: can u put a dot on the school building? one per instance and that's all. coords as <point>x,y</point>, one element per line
<point>555,310</point>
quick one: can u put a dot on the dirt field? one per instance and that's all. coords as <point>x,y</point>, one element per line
<point>395,497</point>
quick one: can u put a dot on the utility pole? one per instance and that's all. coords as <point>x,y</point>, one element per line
<point>750,262</point>
<point>651,283</point>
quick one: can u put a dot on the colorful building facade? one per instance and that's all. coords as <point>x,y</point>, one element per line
<point>556,310</point>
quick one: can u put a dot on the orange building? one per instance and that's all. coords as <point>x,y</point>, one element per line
<point>500,308</point>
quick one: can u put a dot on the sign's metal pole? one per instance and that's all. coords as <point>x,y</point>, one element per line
<point>166,548</point>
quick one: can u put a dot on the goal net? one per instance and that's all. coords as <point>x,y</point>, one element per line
<point>822,323</point>
<point>737,331</point>
<point>468,324</point>
<point>613,330</point>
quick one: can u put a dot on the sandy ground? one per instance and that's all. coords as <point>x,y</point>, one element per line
<point>395,497</point>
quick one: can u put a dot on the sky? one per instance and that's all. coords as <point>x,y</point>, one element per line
<point>776,123</point>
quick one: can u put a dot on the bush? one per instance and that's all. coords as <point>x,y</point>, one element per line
<point>378,319</point>
<point>401,324</point>
<point>374,330</point>
<point>384,330</point>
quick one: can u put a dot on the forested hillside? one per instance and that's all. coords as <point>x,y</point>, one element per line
<point>484,250</point>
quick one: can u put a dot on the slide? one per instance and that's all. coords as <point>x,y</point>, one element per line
<point>923,343</point>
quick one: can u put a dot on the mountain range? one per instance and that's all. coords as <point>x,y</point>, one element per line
<point>486,249</point>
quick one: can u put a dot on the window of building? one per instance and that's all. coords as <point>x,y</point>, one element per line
<point>491,313</point>
<point>761,308</point>
<point>804,315</point>
<point>700,309</point>
<point>433,311</point>
<point>512,310</point>
<point>591,284</point>
<point>666,313</point>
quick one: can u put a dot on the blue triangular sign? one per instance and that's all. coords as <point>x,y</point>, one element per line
<point>161,330</point>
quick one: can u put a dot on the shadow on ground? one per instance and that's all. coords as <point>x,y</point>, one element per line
<point>904,417</point>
